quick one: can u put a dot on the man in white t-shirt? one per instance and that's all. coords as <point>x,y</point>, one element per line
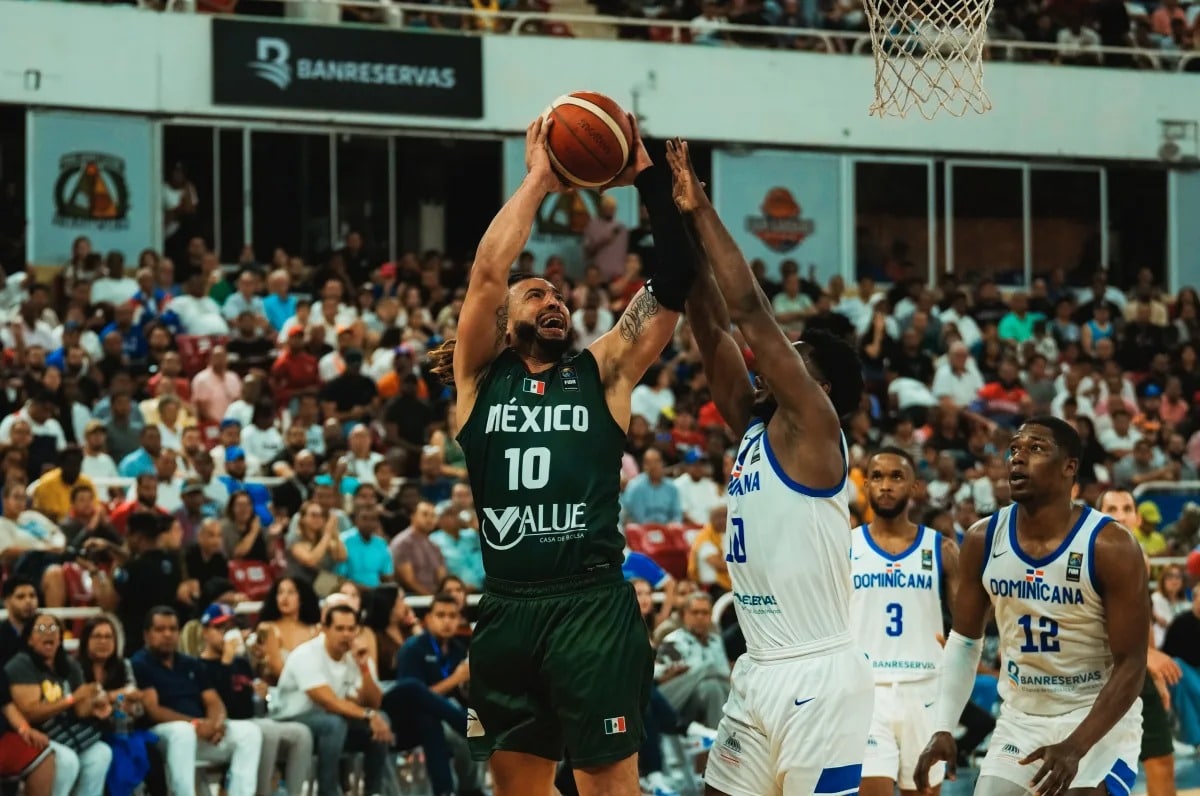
<point>38,412</point>
<point>697,492</point>
<point>333,693</point>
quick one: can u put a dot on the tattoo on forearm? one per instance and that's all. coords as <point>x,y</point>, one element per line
<point>633,320</point>
<point>501,324</point>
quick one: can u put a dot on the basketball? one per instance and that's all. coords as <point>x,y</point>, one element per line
<point>590,140</point>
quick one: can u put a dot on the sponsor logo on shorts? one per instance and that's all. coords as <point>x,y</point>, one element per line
<point>614,726</point>
<point>474,725</point>
<point>1010,749</point>
<point>729,751</point>
<point>871,741</point>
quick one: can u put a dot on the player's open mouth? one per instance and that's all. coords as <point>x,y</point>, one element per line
<point>1017,478</point>
<point>552,322</point>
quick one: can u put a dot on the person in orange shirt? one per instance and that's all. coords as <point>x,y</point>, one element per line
<point>388,385</point>
<point>706,561</point>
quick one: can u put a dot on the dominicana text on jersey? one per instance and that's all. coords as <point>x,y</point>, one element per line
<point>1054,642</point>
<point>782,538</point>
<point>896,608</point>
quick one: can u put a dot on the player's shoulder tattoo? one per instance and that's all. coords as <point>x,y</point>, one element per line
<point>633,321</point>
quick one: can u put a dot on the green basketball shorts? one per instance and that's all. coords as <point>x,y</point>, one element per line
<point>558,666</point>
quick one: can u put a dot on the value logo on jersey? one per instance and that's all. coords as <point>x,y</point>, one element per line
<point>553,522</point>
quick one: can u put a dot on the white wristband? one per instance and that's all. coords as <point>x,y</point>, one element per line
<point>960,660</point>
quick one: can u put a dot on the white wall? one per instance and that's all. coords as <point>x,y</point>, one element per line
<point>125,59</point>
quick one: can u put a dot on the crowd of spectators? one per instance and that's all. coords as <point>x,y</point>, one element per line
<point>188,435</point>
<point>1061,31</point>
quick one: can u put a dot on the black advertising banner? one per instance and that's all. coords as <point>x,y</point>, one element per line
<point>331,68</point>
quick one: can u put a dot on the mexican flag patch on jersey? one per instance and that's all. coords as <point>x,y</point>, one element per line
<point>614,726</point>
<point>534,386</point>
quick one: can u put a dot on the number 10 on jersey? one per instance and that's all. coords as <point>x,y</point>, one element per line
<point>528,468</point>
<point>737,542</point>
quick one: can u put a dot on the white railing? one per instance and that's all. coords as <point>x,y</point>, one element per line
<point>398,14</point>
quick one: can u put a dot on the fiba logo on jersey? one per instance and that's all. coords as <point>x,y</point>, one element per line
<point>91,191</point>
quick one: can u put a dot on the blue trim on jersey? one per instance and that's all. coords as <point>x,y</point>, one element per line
<point>1091,553</point>
<point>1120,779</point>
<point>990,538</point>
<point>937,561</point>
<point>839,779</point>
<point>912,548</point>
<point>1041,562</point>
<point>796,486</point>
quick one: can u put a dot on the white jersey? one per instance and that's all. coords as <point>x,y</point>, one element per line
<point>788,553</point>
<point>1053,641</point>
<point>896,607</point>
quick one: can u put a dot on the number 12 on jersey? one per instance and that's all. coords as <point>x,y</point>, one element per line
<point>1047,640</point>
<point>737,542</point>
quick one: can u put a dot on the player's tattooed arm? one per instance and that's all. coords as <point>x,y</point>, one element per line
<point>633,321</point>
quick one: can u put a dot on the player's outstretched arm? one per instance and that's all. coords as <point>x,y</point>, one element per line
<point>724,365</point>
<point>950,567</point>
<point>803,403</point>
<point>628,350</point>
<point>483,323</point>
<point>1122,583</point>
<point>969,606</point>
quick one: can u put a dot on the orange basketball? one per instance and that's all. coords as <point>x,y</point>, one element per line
<point>591,138</point>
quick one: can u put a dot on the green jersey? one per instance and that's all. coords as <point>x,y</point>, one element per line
<point>544,460</point>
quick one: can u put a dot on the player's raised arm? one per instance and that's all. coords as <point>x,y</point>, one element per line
<point>626,351</point>
<point>964,648</point>
<point>802,400</point>
<point>1122,583</point>
<point>724,365</point>
<point>950,567</point>
<point>483,323</point>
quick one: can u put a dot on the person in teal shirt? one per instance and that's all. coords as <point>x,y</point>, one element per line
<point>1017,325</point>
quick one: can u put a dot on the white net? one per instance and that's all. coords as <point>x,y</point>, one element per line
<point>928,56</point>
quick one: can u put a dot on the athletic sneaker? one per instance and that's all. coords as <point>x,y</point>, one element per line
<point>700,738</point>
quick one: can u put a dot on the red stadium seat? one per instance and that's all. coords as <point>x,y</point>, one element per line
<point>666,544</point>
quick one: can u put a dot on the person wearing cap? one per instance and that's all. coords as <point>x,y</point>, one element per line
<point>232,676</point>
<point>698,493</point>
<point>234,481</point>
<point>295,371</point>
<point>186,711</point>
<point>350,397</point>
<point>333,364</point>
<point>195,509</point>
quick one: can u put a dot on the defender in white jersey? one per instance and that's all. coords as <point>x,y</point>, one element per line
<point>901,571</point>
<point>1072,607</point>
<point>800,701</point>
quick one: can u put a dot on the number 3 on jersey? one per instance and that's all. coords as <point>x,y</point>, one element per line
<point>527,469</point>
<point>737,542</point>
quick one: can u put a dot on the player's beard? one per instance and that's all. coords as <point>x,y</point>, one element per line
<point>889,512</point>
<point>545,349</point>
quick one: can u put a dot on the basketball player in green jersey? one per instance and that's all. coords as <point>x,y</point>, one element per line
<point>560,661</point>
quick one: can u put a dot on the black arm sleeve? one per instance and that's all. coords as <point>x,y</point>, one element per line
<point>676,266</point>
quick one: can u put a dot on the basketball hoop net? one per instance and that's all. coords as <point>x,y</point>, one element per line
<point>928,55</point>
